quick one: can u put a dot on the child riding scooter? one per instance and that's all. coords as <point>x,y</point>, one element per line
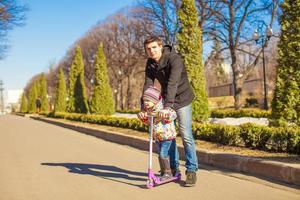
<point>162,130</point>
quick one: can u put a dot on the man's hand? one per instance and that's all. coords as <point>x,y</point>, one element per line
<point>164,114</point>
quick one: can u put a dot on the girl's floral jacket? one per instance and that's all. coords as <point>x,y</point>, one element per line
<point>163,129</point>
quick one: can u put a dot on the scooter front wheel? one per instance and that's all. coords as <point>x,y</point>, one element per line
<point>149,184</point>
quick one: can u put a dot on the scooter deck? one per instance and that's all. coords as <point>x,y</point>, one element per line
<point>174,178</point>
<point>155,181</point>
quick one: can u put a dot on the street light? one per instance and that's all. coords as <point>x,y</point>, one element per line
<point>91,88</point>
<point>121,88</point>
<point>259,37</point>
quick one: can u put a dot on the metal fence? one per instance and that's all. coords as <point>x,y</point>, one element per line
<point>250,86</point>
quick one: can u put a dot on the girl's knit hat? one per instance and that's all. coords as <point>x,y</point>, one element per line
<point>152,94</point>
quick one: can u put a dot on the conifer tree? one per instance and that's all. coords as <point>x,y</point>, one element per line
<point>32,97</point>
<point>190,47</point>
<point>61,93</point>
<point>102,99</point>
<point>24,104</point>
<point>286,101</point>
<point>77,91</point>
<point>81,104</point>
<point>43,93</point>
<point>216,62</point>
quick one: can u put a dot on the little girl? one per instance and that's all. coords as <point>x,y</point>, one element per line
<point>164,132</point>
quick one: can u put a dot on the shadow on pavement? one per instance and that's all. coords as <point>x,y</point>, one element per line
<point>104,171</point>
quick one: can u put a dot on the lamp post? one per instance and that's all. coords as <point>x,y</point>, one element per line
<point>121,89</point>
<point>259,37</point>
<point>91,88</point>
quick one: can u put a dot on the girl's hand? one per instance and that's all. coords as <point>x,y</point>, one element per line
<point>142,116</point>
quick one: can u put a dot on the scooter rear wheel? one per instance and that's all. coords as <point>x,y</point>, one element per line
<point>150,184</point>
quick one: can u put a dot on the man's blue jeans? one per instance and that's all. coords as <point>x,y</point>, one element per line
<point>184,117</point>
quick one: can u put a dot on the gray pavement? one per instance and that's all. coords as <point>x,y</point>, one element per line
<point>43,161</point>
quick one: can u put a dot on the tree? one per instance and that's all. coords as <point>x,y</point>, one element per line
<point>12,14</point>
<point>215,71</point>
<point>24,104</point>
<point>32,97</point>
<point>42,94</point>
<point>77,94</point>
<point>102,100</point>
<point>190,47</point>
<point>232,25</point>
<point>61,93</point>
<point>159,18</point>
<point>123,46</point>
<point>286,101</point>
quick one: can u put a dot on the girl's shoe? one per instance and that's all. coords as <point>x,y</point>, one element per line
<point>166,176</point>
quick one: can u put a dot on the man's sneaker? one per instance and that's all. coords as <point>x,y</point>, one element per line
<point>191,178</point>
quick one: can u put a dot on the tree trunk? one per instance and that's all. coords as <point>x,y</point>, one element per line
<point>129,94</point>
<point>237,82</point>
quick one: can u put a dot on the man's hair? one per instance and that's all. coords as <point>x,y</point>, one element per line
<point>151,39</point>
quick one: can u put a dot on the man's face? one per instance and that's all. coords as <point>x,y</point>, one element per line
<point>154,50</point>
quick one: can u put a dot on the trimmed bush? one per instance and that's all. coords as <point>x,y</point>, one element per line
<point>279,139</point>
<point>221,113</point>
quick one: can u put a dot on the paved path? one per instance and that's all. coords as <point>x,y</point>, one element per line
<point>42,161</point>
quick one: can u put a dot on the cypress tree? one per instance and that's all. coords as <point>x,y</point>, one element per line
<point>24,104</point>
<point>61,93</point>
<point>77,94</point>
<point>32,97</point>
<point>43,93</point>
<point>286,101</point>
<point>190,47</point>
<point>81,104</point>
<point>102,99</point>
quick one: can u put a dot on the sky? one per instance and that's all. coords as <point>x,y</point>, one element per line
<point>51,27</point>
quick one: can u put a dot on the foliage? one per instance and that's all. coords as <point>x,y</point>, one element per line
<point>190,46</point>
<point>135,111</point>
<point>286,101</point>
<point>24,104</point>
<point>42,93</point>
<point>32,97</point>
<point>279,139</point>
<point>102,99</point>
<point>77,91</point>
<point>254,135</point>
<point>249,112</point>
<point>61,93</point>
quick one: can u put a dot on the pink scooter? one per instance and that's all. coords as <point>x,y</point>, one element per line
<point>152,179</point>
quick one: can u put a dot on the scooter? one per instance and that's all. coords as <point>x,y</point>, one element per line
<point>152,179</point>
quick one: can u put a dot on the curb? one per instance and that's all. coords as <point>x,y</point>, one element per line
<point>254,166</point>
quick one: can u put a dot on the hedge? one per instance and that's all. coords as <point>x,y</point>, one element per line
<point>221,113</point>
<point>246,112</point>
<point>278,139</point>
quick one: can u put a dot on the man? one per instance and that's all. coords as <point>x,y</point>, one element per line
<point>167,67</point>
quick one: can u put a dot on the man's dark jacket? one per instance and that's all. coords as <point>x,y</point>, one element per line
<point>172,76</point>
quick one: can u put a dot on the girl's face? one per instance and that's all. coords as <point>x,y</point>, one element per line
<point>148,104</point>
